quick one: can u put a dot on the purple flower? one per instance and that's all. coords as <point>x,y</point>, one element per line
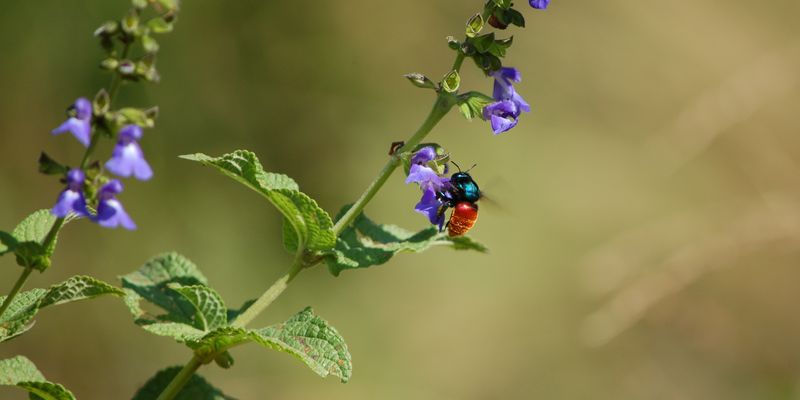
<point>504,87</point>
<point>429,205</point>
<point>128,158</point>
<point>540,4</point>
<point>72,198</point>
<point>503,115</point>
<point>424,155</point>
<point>110,212</point>
<point>80,124</point>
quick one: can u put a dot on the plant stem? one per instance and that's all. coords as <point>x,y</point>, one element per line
<point>181,379</point>
<point>17,286</point>
<point>443,104</point>
<point>271,294</point>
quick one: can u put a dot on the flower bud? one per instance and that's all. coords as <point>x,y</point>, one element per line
<point>474,25</point>
<point>126,67</point>
<point>101,102</point>
<point>109,64</point>
<point>451,82</point>
<point>420,81</point>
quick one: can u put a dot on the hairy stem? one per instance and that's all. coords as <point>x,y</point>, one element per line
<point>17,286</point>
<point>181,379</point>
<point>271,294</point>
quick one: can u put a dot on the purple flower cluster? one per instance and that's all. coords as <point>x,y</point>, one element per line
<point>432,184</point>
<point>504,113</point>
<point>126,160</point>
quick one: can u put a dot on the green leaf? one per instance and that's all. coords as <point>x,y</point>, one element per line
<point>49,166</point>
<point>77,288</point>
<point>366,243</point>
<point>21,372</point>
<point>28,238</point>
<point>182,333</point>
<point>196,389</point>
<point>471,104</point>
<point>311,227</point>
<point>312,340</point>
<point>151,281</point>
<point>17,318</point>
<point>483,43</point>
<point>211,312</point>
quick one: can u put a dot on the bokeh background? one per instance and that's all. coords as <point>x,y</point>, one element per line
<point>644,242</point>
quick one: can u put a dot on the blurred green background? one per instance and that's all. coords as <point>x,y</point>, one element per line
<point>645,243</point>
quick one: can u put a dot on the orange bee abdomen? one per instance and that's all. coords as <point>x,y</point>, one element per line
<point>462,219</point>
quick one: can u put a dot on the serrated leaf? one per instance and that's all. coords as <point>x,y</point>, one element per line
<point>196,388</point>
<point>312,340</point>
<point>366,243</point>
<point>78,288</point>
<point>19,315</point>
<point>20,371</point>
<point>29,236</point>
<point>182,333</point>
<point>211,312</point>
<point>151,282</point>
<point>311,226</point>
<point>471,104</point>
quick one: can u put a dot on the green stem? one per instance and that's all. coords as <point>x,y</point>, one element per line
<point>17,286</point>
<point>444,102</point>
<point>271,294</point>
<point>181,379</point>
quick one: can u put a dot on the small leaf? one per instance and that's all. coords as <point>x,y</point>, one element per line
<point>312,340</point>
<point>483,43</point>
<point>196,389</point>
<point>21,372</point>
<point>30,235</point>
<point>151,282</point>
<point>366,243</point>
<point>311,226</point>
<point>211,311</point>
<point>49,166</point>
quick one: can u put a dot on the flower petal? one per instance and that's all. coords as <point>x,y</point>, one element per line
<point>128,159</point>
<point>81,129</point>
<point>118,218</point>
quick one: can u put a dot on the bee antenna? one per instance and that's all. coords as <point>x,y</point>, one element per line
<point>470,168</point>
<point>454,163</point>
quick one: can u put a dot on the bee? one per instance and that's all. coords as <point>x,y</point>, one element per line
<point>462,196</point>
